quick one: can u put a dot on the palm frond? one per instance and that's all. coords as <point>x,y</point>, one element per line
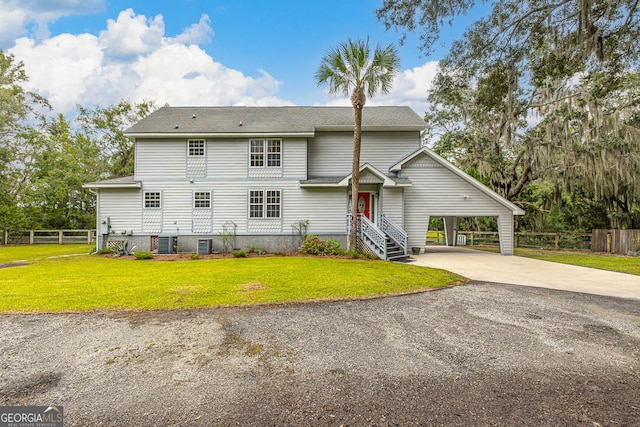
<point>351,68</point>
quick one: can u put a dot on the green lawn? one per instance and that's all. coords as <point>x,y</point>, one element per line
<point>90,282</point>
<point>31,253</point>
<point>621,264</point>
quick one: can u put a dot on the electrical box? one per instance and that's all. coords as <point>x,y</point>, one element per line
<point>104,225</point>
<point>167,244</point>
<point>205,246</point>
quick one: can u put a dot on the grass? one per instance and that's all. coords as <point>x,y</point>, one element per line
<point>84,283</point>
<point>32,253</point>
<point>621,264</point>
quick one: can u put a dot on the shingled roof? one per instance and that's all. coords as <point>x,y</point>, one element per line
<point>239,121</point>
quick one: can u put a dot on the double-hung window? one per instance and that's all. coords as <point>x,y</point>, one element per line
<point>152,199</point>
<point>265,152</point>
<point>202,199</point>
<point>265,204</point>
<point>196,147</point>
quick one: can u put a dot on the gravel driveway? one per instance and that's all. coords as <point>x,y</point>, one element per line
<point>478,354</point>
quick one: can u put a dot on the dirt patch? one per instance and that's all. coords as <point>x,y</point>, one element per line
<point>189,256</point>
<point>13,264</point>
<point>25,390</point>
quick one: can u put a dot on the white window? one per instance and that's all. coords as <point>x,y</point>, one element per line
<point>273,152</point>
<point>272,148</point>
<point>152,199</point>
<point>257,153</point>
<point>202,199</point>
<point>196,147</point>
<point>265,203</point>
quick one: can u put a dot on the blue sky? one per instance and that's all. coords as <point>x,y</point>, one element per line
<point>197,52</point>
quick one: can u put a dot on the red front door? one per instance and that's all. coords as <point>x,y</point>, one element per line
<point>364,204</point>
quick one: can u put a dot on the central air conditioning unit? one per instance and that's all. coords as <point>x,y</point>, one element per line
<point>205,246</point>
<point>167,244</point>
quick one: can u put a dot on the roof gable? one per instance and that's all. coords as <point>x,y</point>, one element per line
<point>371,175</point>
<point>435,159</point>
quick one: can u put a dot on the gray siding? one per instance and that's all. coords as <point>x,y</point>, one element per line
<point>505,229</point>
<point>294,158</point>
<point>225,159</point>
<point>160,159</point>
<point>331,153</point>
<point>436,191</point>
<point>122,206</point>
<point>391,199</point>
<point>324,208</point>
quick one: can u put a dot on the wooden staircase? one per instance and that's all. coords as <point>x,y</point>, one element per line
<point>395,252</point>
<point>389,242</point>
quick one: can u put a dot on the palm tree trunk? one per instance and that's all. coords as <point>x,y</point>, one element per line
<point>355,177</point>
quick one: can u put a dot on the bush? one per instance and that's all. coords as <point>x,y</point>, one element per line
<point>239,254</point>
<point>143,255</point>
<point>104,251</point>
<point>257,251</point>
<point>195,256</point>
<point>124,250</point>
<point>353,254</point>
<point>315,246</point>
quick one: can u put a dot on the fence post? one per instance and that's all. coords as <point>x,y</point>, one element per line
<point>472,238</point>
<point>31,235</point>
<point>608,243</point>
<point>557,243</point>
<point>60,234</point>
<point>515,240</point>
<point>88,237</point>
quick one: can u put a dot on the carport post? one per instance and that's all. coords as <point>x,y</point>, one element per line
<point>450,229</point>
<point>505,233</point>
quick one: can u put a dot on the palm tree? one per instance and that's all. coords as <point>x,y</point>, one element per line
<point>350,70</point>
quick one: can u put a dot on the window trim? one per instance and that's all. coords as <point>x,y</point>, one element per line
<point>265,153</point>
<point>147,200</point>
<point>196,200</point>
<point>201,150</point>
<point>264,204</point>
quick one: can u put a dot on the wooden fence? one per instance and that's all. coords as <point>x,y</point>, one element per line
<point>623,242</point>
<point>530,240</point>
<point>60,237</point>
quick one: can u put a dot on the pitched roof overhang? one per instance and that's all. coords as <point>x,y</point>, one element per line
<point>468,178</point>
<point>344,181</point>
<point>124,182</point>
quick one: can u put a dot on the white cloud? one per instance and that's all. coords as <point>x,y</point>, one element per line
<point>131,34</point>
<point>133,60</point>
<point>200,33</point>
<point>18,15</point>
<point>57,67</point>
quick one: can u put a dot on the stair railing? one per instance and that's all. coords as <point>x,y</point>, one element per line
<point>370,235</point>
<point>395,232</point>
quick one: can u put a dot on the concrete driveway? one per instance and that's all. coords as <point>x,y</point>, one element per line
<point>515,270</point>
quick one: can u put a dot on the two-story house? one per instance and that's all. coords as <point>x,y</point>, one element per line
<point>266,174</point>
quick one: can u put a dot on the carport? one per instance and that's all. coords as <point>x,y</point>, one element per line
<point>442,190</point>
